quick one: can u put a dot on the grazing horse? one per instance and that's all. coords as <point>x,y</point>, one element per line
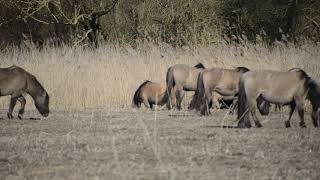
<point>215,81</point>
<point>284,88</point>
<point>15,81</point>
<point>183,78</point>
<point>151,93</point>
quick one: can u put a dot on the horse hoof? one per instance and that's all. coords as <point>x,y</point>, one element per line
<point>302,124</point>
<point>20,116</point>
<point>287,124</point>
<point>243,125</point>
<point>259,125</point>
<point>9,116</point>
<point>315,123</point>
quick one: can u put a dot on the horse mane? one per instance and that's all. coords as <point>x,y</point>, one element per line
<point>311,86</point>
<point>136,96</point>
<point>199,66</point>
<point>31,80</point>
<point>303,76</point>
<point>242,69</point>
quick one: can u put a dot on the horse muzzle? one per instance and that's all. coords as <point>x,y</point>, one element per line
<point>46,114</point>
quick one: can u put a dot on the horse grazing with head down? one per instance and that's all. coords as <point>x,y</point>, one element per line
<point>15,81</point>
<point>285,88</point>
<point>151,93</point>
<point>183,78</point>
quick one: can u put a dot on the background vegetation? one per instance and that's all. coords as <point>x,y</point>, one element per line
<point>92,131</point>
<point>106,77</point>
<point>137,40</point>
<point>178,23</point>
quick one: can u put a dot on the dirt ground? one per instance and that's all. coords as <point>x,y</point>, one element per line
<point>144,144</point>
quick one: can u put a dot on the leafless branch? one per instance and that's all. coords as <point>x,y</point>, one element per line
<point>83,38</point>
<point>101,13</point>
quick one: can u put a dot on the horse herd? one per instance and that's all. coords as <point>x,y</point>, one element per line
<point>246,89</point>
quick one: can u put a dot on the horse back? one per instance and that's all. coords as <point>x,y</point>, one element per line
<point>12,79</point>
<point>185,76</point>
<point>274,85</point>
<point>211,77</point>
<point>152,89</point>
<point>191,79</point>
<point>153,92</point>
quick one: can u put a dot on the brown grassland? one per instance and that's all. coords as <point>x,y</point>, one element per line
<point>93,133</point>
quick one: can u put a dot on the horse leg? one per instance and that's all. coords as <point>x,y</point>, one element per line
<point>22,101</point>
<point>315,115</point>
<point>205,106</point>
<point>300,104</point>
<point>193,101</point>
<point>179,97</point>
<point>318,117</point>
<point>254,115</point>
<point>292,108</point>
<point>234,105</point>
<point>146,102</point>
<point>13,102</point>
<point>172,99</point>
<point>215,101</point>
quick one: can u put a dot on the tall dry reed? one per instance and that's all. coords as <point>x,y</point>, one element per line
<point>78,78</point>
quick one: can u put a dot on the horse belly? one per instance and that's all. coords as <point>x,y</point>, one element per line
<point>189,87</point>
<point>6,90</point>
<point>277,99</point>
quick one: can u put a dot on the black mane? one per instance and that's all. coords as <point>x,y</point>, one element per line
<point>308,83</point>
<point>303,74</point>
<point>136,96</point>
<point>199,66</point>
<point>242,69</point>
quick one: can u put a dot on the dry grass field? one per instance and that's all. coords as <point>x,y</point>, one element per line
<point>143,144</point>
<point>93,133</point>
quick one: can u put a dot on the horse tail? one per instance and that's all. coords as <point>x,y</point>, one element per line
<point>170,85</point>
<point>195,98</point>
<point>243,115</point>
<point>318,117</point>
<point>136,97</point>
<point>199,98</point>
